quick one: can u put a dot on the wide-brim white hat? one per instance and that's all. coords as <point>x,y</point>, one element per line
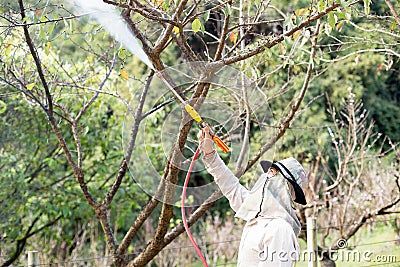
<point>292,170</point>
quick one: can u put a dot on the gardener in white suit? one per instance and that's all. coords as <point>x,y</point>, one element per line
<point>269,237</point>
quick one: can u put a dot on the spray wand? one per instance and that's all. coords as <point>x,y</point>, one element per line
<point>193,113</point>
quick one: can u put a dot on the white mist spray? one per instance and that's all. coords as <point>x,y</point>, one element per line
<point>107,16</point>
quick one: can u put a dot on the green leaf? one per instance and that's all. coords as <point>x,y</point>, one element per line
<point>86,130</point>
<point>317,60</point>
<point>196,25</point>
<point>65,23</point>
<point>321,5</point>
<point>43,19</point>
<point>42,33</point>
<point>288,22</point>
<point>331,20</point>
<point>8,49</point>
<point>328,29</point>
<point>65,211</point>
<point>202,28</point>
<point>30,86</point>
<point>207,15</point>
<point>47,48</point>
<point>51,28</point>
<point>298,20</point>
<point>3,107</point>
<point>122,53</point>
<point>341,15</point>
<point>167,3</point>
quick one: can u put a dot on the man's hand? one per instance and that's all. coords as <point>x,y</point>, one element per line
<point>206,141</point>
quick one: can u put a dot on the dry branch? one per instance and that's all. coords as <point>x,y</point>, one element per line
<point>270,43</point>
<point>394,12</point>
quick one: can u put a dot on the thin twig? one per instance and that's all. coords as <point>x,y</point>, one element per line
<point>135,128</point>
<point>393,10</point>
<point>96,94</point>
<point>144,14</point>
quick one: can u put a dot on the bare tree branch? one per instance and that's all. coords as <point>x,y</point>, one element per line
<point>138,34</point>
<point>135,128</point>
<point>187,49</point>
<point>381,211</point>
<point>246,139</point>
<point>43,22</point>
<point>268,43</point>
<point>255,23</point>
<point>49,109</point>
<point>140,219</point>
<point>96,94</point>
<point>147,15</point>
<point>284,124</point>
<point>192,17</point>
<point>222,39</point>
<point>167,32</point>
<point>394,12</point>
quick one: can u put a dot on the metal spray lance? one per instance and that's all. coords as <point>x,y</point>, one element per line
<point>193,113</point>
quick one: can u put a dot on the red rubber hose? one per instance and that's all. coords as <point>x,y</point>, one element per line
<point>203,260</point>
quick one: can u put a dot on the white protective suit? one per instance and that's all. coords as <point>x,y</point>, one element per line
<point>269,237</point>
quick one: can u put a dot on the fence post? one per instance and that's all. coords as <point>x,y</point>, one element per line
<point>33,258</point>
<point>312,242</point>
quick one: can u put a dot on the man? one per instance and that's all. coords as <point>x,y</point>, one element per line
<point>269,237</point>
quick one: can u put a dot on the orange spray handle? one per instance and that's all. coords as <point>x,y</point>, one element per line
<point>215,138</point>
<point>220,144</point>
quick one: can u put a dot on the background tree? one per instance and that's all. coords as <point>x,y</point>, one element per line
<point>357,189</point>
